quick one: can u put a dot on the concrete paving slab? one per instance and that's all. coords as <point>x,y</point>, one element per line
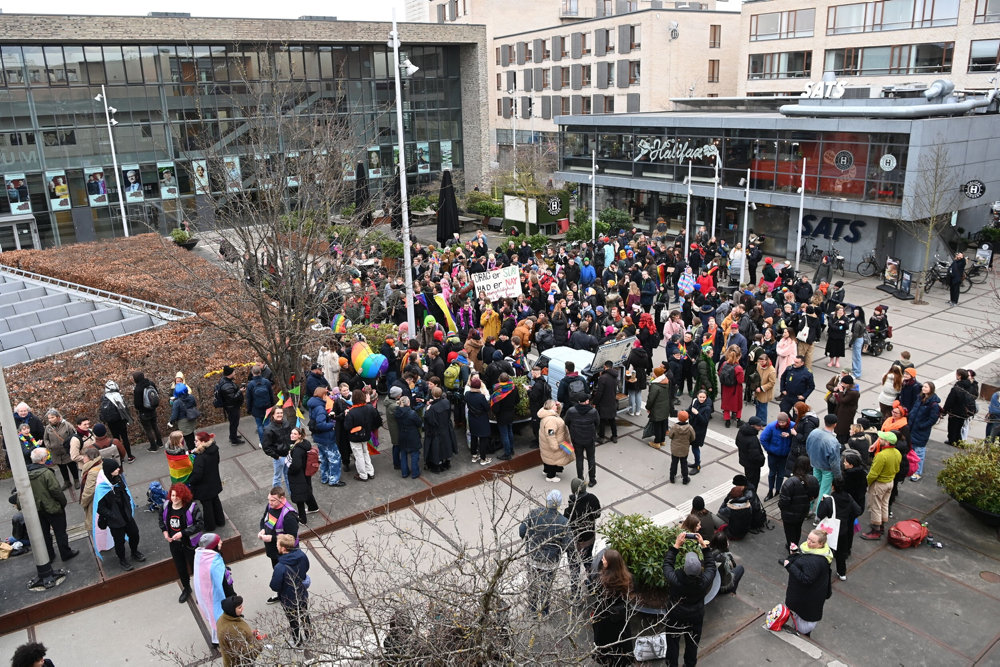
<point>635,461</point>
<point>952,525</point>
<point>756,641</point>
<point>10,641</point>
<point>960,563</point>
<point>643,503</point>
<point>462,515</point>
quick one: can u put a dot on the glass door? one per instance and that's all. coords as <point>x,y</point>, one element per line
<point>7,238</point>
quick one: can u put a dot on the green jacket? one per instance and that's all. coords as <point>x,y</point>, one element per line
<point>49,497</point>
<point>885,465</point>
<point>658,401</point>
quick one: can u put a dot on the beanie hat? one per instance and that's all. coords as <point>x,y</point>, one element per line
<point>100,430</point>
<point>395,392</point>
<point>314,367</point>
<point>692,566</point>
<point>912,372</point>
<point>227,370</point>
<point>682,415</point>
<point>755,421</point>
<point>888,437</point>
<point>209,541</point>
<point>658,371</point>
<point>343,362</point>
<point>439,336</point>
<point>578,485</point>
<point>231,603</point>
<point>847,379</point>
<point>553,499</point>
<point>497,355</point>
<point>452,356</point>
<point>739,480</point>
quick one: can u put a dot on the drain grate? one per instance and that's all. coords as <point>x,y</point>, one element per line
<point>991,577</point>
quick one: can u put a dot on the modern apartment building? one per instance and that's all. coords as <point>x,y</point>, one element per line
<point>868,45</point>
<point>179,84</point>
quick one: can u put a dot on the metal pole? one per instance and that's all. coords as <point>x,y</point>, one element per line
<point>513,139</point>
<point>411,318</point>
<point>114,160</point>
<point>47,577</point>
<point>593,195</point>
<point>715,195</point>
<point>746,224</point>
<point>802,205</point>
<point>687,216</point>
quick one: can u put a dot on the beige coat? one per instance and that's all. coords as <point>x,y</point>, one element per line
<point>54,438</point>
<point>768,380</point>
<point>89,484</point>
<point>681,436</point>
<point>552,431</point>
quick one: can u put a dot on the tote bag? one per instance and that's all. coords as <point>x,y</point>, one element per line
<point>831,525</point>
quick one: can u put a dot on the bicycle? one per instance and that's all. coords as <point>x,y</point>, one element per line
<point>837,261</point>
<point>939,274</point>
<point>814,255</point>
<point>869,266</point>
<point>978,273</point>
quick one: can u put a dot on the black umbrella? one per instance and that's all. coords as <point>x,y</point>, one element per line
<point>362,198</point>
<point>395,207</point>
<point>447,214</point>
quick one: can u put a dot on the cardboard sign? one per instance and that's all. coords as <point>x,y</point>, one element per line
<point>499,283</point>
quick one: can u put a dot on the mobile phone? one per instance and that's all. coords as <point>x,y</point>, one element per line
<point>691,536</point>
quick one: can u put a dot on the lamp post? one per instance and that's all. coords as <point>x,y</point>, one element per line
<point>111,122</point>
<point>715,193</point>
<point>411,318</point>
<point>802,206</point>
<point>746,224</point>
<point>687,216</point>
<point>513,136</point>
<point>593,196</point>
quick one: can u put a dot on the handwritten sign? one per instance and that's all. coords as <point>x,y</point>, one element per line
<point>499,283</point>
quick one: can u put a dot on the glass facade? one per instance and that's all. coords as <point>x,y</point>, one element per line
<point>174,99</point>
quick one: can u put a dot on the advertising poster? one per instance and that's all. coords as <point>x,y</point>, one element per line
<point>347,160</point>
<point>200,173</point>
<point>445,155</point>
<point>234,180</point>
<point>132,183</point>
<point>265,173</point>
<point>58,190</point>
<point>97,187</point>
<point>166,172</point>
<point>292,169</point>
<point>499,283</point>
<point>17,193</point>
<point>374,162</point>
<point>891,271</point>
<point>423,157</point>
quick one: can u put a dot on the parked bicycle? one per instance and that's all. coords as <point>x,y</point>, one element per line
<point>837,260</point>
<point>869,265</point>
<point>939,274</point>
<point>978,272</point>
<point>812,255</point>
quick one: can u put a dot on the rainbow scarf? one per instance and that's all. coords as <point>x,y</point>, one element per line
<point>449,318</point>
<point>180,467</point>
<point>518,358</point>
<point>503,389</point>
<point>339,324</point>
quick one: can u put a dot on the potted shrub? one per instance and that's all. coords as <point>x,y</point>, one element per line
<point>972,477</point>
<point>183,238</point>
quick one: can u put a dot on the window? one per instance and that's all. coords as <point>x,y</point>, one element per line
<point>586,107</point>
<point>984,55</point>
<point>633,71</point>
<point>546,79</point>
<point>527,52</point>
<point>564,45</point>
<point>987,11</point>
<point>570,8</point>
<point>499,85</point>
<point>564,76</point>
<point>583,42</point>
<point>498,57</point>
<point>885,15</point>
<point>635,40</point>
<point>585,75</point>
<point>564,106</point>
<point>609,104</point>
<point>782,25</point>
<point>608,8</point>
<point>713,71</point>
<point>927,58</point>
<point>546,54</point>
<point>714,36</point>
<point>780,65</point>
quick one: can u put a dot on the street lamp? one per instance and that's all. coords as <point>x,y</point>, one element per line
<point>593,196</point>
<point>802,205</point>
<point>411,318</point>
<point>747,205</point>
<point>687,216</point>
<point>715,193</point>
<point>111,122</point>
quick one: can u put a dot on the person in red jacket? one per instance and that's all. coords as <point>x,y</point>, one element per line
<point>731,379</point>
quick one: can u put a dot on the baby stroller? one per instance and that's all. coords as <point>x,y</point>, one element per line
<point>877,338</point>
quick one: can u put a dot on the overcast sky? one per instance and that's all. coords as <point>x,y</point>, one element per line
<point>372,10</point>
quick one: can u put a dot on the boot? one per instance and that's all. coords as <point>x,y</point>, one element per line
<point>127,566</point>
<point>76,484</point>
<point>655,445</point>
<point>874,534</point>
<point>66,485</point>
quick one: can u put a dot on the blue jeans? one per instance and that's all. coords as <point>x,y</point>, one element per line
<point>775,472</point>
<point>992,425</point>
<point>396,456</point>
<point>507,438</point>
<point>697,455</point>
<point>856,357</point>
<point>921,452</point>
<point>409,463</point>
<point>329,463</point>
<point>260,429</point>
<point>761,411</point>
<point>635,401</point>
<point>825,478</point>
<point>280,473</point>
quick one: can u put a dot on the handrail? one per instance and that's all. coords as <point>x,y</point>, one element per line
<point>155,309</point>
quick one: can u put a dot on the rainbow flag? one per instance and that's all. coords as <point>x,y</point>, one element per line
<point>339,324</point>
<point>180,467</point>
<point>443,305</point>
<point>661,272</point>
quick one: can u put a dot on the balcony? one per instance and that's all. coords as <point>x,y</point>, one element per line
<point>570,10</point>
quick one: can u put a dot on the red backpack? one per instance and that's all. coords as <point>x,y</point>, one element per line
<point>312,461</point>
<point>907,533</point>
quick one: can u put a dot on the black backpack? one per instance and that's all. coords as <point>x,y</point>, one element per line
<point>576,388</point>
<point>217,395</point>
<point>261,393</point>
<point>727,376</point>
<point>150,397</point>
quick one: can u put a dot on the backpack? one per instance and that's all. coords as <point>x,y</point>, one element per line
<point>453,376</point>
<point>312,461</point>
<point>156,497</point>
<point>150,397</point>
<point>261,394</point>
<point>907,533</point>
<point>914,460</point>
<point>777,617</point>
<point>728,375</point>
<point>217,395</point>
<point>576,389</point>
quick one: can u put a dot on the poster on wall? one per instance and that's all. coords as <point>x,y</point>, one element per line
<point>132,183</point>
<point>97,187</point>
<point>58,189</point>
<point>374,162</point>
<point>265,173</point>
<point>17,193</point>
<point>445,155</point>
<point>348,166</point>
<point>423,157</point>
<point>166,173</point>
<point>199,169</point>
<point>292,169</point>
<point>234,180</point>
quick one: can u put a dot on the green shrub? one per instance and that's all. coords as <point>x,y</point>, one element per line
<point>348,210</point>
<point>973,475</point>
<point>538,241</point>
<point>580,230</point>
<point>348,234</point>
<point>178,235</point>
<point>488,207</point>
<point>990,234</point>
<point>472,199</point>
<point>643,546</point>
<point>375,335</point>
<point>419,203</point>
<point>615,219</point>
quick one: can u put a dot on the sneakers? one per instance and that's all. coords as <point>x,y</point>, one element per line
<point>554,480</point>
<point>485,462</point>
<point>842,577</point>
<point>475,458</point>
<point>915,478</point>
<point>273,600</point>
<point>138,557</point>
<point>131,459</point>
<point>694,470</point>
<point>687,480</point>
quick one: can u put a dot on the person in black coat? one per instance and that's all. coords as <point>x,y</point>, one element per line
<point>114,512</point>
<point>538,393</point>
<point>700,413</point>
<point>478,406</point>
<point>582,420</point>
<point>686,602</point>
<point>147,416</point>
<point>583,511</point>
<point>439,434</point>
<point>205,480</point>
<point>300,488</point>
<point>606,401</point>
<point>809,582</point>
<point>751,454</point>
<point>409,424</point>
<point>847,511</point>
<point>795,497</point>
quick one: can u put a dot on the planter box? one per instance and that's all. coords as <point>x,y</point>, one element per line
<point>988,518</point>
<point>189,244</point>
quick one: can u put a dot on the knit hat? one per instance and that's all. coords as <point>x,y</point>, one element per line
<point>755,421</point>
<point>682,415</point>
<point>452,356</point>
<point>100,430</point>
<point>830,420</point>
<point>497,355</point>
<point>912,372</point>
<point>439,336</point>
<point>578,485</point>
<point>180,389</point>
<point>839,283</point>
<point>847,379</point>
<point>768,260</point>
<point>209,541</point>
<point>227,370</point>
<point>739,480</point>
<point>658,371</point>
<point>231,603</point>
<point>734,325</point>
<point>395,392</point>
<point>888,437</point>
<point>313,367</point>
<point>692,566</point>
<point>553,499</point>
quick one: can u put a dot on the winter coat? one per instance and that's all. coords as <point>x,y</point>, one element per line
<point>847,511</point>
<point>409,423</point>
<point>115,508</point>
<point>583,511</point>
<point>606,394</point>
<point>681,436</point>
<point>473,348</point>
<point>49,497</point>
<point>288,577</point>
<point>795,497</point>
<point>56,441</point>
<point>773,442</point>
<point>504,410</point>
<point>909,394</point>
<point>847,407</point>
<point>361,421</point>
<point>559,328</point>
<point>888,393</point>
<point>922,417</point>
<point>797,448</point>
<point>140,389</point>
<point>797,382</point>
<point>767,379</point>
<point>391,405</point>
<point>181,405</point>
<point>205,480</point>
<point>538,393</point>
<point>439,434</point>
<point>960,399</point>
<point>751,455</point>
<point>638,360</point>
<point>34,423</point>
<point>237,642</point>
<point>110,411</point>
<point>254,406</point>
<point>277,438</point>
<point>321,424</point>
<point>479,413</point>
<point>808,585</point>
<point>552,432</point>
<point>699,421</point>
<point>88,484</point>
<point>686,600</point>
<point>547,534</point>
<point>856,484</point>
<point>582,421</point>
<point>298,483</point>
<point>732,397</point>
<point>314,382</point>
<point>658,401</point>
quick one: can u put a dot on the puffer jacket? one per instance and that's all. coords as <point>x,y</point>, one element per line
<point>681,436</point>
<point>795,497</point>
<point>552,432</point>
<point>922,418</point>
